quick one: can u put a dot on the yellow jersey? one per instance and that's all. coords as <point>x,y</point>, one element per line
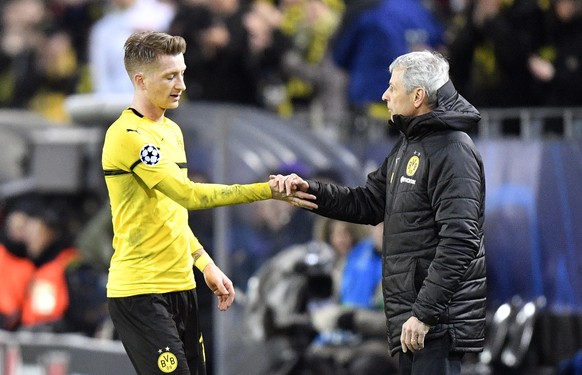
<point>144,163</point>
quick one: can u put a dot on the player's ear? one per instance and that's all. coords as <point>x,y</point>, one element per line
<point>138,80</point>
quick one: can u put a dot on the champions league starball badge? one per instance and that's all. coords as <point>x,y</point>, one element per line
<point>150,155</point>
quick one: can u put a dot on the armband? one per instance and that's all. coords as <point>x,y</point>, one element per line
<point>203,261</point>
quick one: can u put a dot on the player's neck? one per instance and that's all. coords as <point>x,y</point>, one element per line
<point>148,110</point>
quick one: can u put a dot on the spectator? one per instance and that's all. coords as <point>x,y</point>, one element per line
<point>281,293</point>
<point>50,275</point>
<point>351,329</point>
<point>362,272</point>
<point>558,66</point>
<point>342,237</point>
<point>194,22</point>
<point>267,47</point>
<point>58,72</point>
<point>38,63</point>
<point>489,52</point>
<point>13,266</point>
<point>14,221</point>
<point>108,75</point>
<point>76,19</point>
<point>231,50</point>
<point>376,34</point>
<point>20,39</point>
<point>315,87</point>
<point>221,67</point>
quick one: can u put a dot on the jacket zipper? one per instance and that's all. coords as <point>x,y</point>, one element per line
<point>396,164</point>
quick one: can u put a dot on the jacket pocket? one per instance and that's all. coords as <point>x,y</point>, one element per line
<point>420,272</point>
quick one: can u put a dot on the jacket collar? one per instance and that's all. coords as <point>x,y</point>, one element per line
<point>451,112</point>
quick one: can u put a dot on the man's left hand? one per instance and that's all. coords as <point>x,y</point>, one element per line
<point>413,333</point>
<point>220,285</point>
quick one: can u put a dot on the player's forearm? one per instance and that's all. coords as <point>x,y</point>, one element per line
<point>196,196</point>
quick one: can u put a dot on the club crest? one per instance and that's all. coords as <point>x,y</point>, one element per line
<point>412,165</point>
<point>167,361</point>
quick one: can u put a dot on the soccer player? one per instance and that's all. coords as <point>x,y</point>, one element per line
<point>151,287</point>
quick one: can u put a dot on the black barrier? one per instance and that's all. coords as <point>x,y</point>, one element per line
<point>28,353</point>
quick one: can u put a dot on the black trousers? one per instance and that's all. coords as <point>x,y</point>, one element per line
<point>160,332</point>
<point>435,359</point>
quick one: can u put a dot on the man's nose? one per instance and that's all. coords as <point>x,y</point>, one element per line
<point>181,85</point>
<point>385,96</point>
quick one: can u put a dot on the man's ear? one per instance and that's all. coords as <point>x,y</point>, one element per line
<point>419,97</point>
<point>138,80</point>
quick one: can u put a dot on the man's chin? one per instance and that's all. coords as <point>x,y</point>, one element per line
<point>173,105</point>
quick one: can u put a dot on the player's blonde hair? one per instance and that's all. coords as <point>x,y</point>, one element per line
<point>143,48</point>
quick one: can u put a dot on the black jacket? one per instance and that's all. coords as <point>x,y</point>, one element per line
<point>430,193</point>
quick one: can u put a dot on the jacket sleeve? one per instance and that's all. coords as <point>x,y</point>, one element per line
<point>362,205</point>
<point>456,190</point>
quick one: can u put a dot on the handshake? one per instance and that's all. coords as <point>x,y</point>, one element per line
<point>292,189</point>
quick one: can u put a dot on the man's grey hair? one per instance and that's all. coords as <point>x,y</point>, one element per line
<point>426,69</point>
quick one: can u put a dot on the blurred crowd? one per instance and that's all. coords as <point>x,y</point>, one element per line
<point>321,61</point>
<point>49,285</point>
